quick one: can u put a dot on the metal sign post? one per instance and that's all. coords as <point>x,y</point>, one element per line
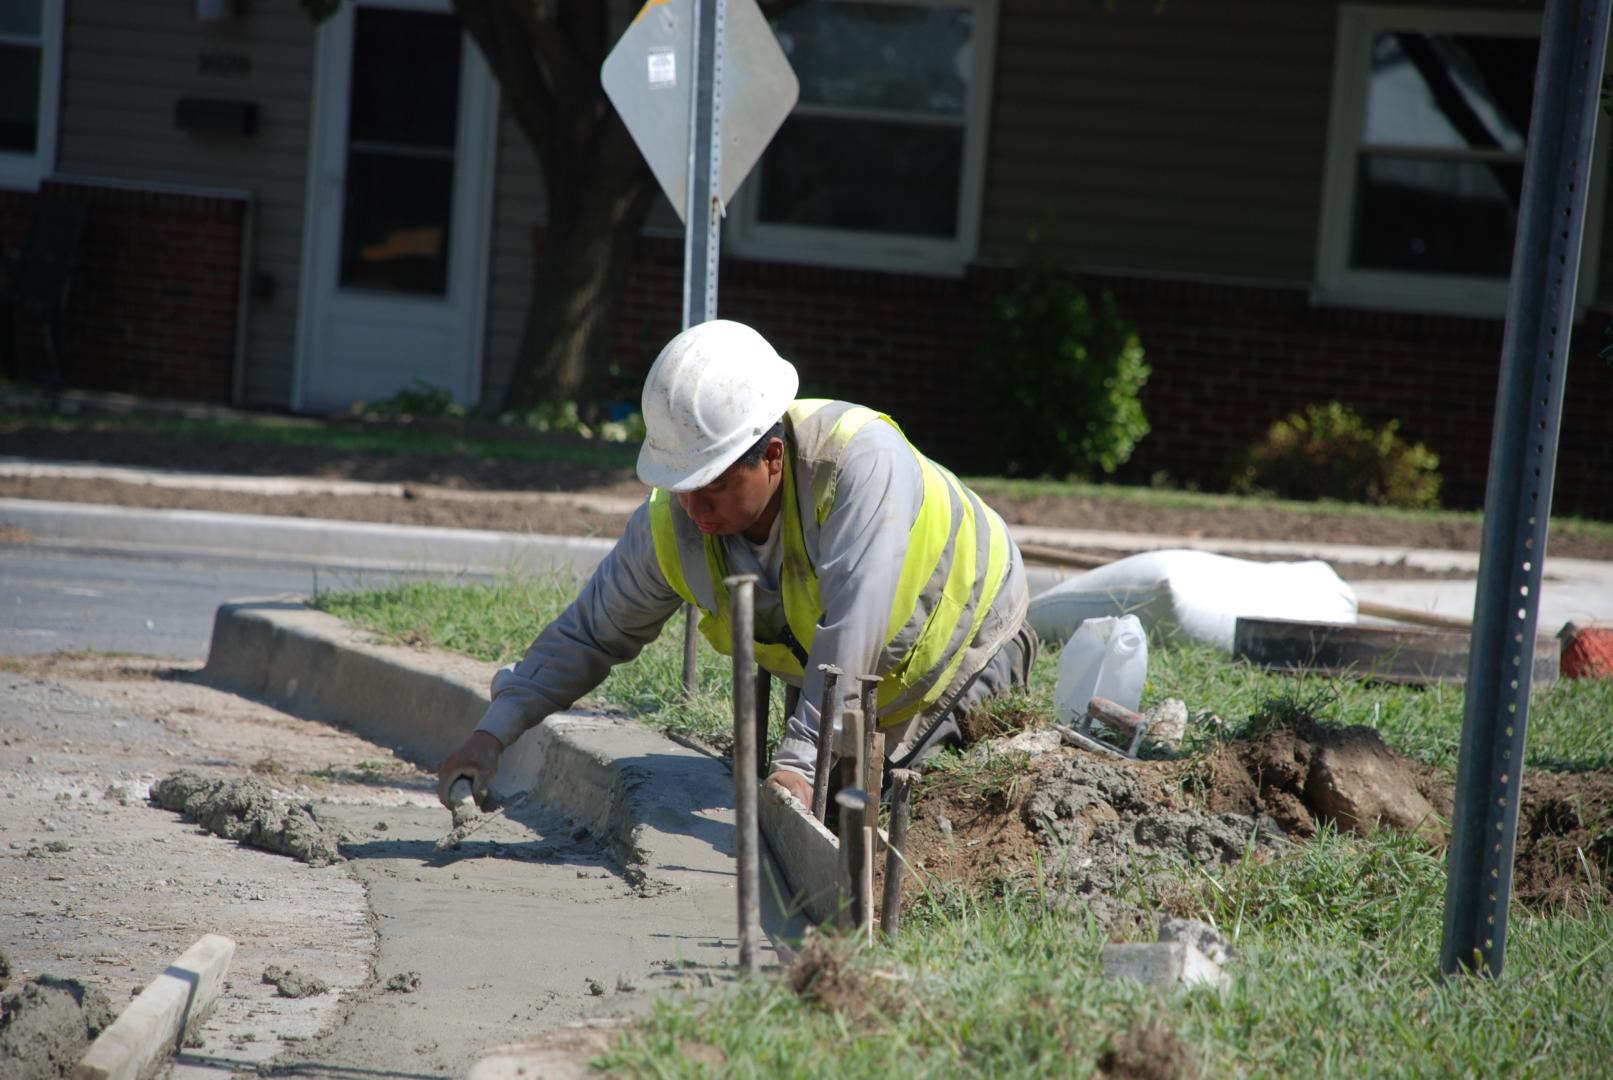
<point>739,90</point>
<point>1517,503</point>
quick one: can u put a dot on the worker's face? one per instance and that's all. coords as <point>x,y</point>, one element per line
<point>741,499</point>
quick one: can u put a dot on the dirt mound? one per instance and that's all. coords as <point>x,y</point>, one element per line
<point>46,1024</point>
<point>1307,775</point>
<point>245,809</point>
<point>1147,1052</point>
<point>1100,831</point>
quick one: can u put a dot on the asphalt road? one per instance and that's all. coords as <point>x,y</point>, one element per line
<point>54,598</point>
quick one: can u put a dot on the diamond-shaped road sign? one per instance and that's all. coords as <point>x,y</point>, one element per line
<point>649,74</point>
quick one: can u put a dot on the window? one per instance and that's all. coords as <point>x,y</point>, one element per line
<point>880,164</point>
<point>1425,158</point>
<point>30,70</point>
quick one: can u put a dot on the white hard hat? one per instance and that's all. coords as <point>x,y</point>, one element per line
<point>715,389</point>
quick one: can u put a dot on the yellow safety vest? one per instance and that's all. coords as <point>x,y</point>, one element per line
<point>957,557</point>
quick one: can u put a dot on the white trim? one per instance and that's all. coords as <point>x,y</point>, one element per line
<point>476,138</point>
<point>25,171</point>
<point>1336,282</point>
<point>942,257</point>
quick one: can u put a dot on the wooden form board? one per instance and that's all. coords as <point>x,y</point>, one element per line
<point>1387,654</point>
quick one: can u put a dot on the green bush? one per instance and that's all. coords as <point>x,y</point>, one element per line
<point>1062,372</point>
<point>1329,452</point>
<point>419,398</point>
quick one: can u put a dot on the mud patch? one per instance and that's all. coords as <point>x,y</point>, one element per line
<point>46,1024</point>
<point>823,973</point>
<point>246,810</point>
<point>1147,1052</point>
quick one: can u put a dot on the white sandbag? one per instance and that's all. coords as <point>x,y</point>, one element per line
<point>1195,593</point>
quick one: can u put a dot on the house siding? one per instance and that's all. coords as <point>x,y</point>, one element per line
<point>126,63</point>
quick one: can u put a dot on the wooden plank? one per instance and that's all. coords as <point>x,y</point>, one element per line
<point>805,853</point>
<point>148,1032</point>
<point>1410,655</point>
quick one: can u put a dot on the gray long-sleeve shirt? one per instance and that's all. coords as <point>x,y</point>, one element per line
<point>860,549</point>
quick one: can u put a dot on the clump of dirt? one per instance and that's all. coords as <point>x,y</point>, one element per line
<point>823,974</point>
<point>46,1024</point>
<point>1147,1052</point>
<point>1564,855</point>
<point>1107,837</point>
<point>244,809</point>
<point>1304,775</point>
<point>291,983</point>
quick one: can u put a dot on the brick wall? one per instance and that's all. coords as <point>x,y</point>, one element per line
<point>1227,362</point>
<point>154,298</point>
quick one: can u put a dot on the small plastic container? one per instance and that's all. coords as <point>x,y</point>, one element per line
<point>1106,657</point>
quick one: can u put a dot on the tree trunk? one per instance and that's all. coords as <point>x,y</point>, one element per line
<point>579,282</point>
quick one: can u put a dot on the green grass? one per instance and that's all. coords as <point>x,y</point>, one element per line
<point>1338,943</point>
<point>345,437</point>
<point>1568,723</point>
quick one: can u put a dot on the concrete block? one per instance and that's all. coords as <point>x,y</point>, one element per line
<point>141,1040</point>
<point>1162,963</point>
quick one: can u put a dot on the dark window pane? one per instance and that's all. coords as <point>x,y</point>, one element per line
<point>863,174</point>
<point>395,223</point>
<point>885,56</point>
<point>19,99</point>
<point>405,78</point>
<point>1452,91</point>
<point>1440,216</point>
<point>21,17</point>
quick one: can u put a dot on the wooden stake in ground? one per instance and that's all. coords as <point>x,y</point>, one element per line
<point>890,908</point>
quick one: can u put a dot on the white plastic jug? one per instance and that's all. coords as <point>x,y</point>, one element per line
<point>1106,657</point>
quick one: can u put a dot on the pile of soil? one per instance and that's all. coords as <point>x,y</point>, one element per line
<point>1102,832</point>
<point>47,1024</point>
<point>245,809</point>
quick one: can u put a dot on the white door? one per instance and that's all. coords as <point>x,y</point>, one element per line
<point>399,197</point>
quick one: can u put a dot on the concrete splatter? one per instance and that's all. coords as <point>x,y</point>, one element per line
<point>244,809</point>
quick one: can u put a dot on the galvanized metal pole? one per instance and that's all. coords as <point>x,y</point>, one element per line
<point>747,845</point>
<point>1517,503</point>
<point>702,216</point>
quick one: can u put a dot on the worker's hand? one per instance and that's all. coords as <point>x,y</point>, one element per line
<point>794,783</point>
<point>476,760</point>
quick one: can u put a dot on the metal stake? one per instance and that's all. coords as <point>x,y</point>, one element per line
<point>1517,501</point>
<point>890,907</point>
<point>747,844</point>
<point>826,715</point>
<point>764,707</point>
<point>853,804</point>
<point>872,757</point>
<point>702,212</point>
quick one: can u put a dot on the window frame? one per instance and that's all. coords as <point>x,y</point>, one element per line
<point>1339,284</point>
<point>24,172</point>
<point>823,246</point>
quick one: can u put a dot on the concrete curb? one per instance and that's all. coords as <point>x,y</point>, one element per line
<point>663,810</point>
<point>343,543</point>
<point>146,1033</point>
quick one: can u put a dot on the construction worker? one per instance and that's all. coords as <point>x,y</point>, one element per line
<point>870,557</point>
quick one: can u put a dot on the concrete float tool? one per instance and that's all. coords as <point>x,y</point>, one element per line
<point>468,817</point>
<point>1117,719</point>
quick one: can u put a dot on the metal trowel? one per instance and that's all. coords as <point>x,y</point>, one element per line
<point>468,817</point>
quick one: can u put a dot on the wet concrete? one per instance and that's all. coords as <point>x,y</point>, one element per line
<point>244,809</point>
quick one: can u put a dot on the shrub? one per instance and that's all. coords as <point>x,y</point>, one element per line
<point>1329,452</point>
<point>419,398</point>
<point>1063,373</point>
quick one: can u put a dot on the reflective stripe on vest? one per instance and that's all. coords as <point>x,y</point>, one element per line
<point>955,562</point>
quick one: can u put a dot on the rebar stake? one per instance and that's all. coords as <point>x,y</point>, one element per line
<point>748,843</point>
<point>853,804</point>
<point>873,757</point>
<point>764,706</point>
<point>826,715</point>
<point>890,907</point>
